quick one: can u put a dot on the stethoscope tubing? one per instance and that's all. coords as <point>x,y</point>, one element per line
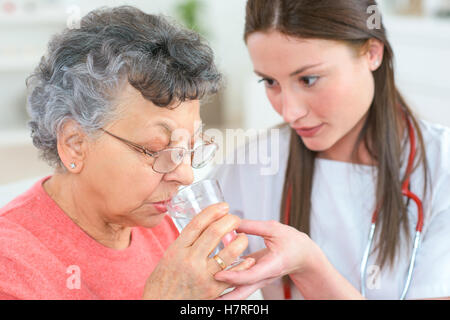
<point>419,225</point>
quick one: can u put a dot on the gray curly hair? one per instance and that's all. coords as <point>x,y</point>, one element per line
<point>85,68</point>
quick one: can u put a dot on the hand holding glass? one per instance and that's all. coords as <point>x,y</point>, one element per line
<point>191,200</point>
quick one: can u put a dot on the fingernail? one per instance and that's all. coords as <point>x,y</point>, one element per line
<point>218,277</point>
<point>223,207</point>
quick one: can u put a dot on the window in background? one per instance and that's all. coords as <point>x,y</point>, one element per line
<point>424,8</point>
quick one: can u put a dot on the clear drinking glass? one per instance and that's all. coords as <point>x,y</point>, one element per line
<point>191,200</point>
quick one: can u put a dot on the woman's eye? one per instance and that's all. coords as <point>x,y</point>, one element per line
<point>309,81</point>
<point>155,147</point>
<point>269,83</point>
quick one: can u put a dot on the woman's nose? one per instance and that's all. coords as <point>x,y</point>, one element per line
<point>292,106</point>
<point>183,174</point>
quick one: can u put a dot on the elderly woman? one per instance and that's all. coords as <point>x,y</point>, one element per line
<point>105,103</point>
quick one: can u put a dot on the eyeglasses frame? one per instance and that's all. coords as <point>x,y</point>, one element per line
<point>145,151</point>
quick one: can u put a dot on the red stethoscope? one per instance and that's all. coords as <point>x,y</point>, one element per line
<point>406,191</point>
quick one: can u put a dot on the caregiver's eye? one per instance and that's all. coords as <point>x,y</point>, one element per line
<point>309,81</point>
<point>269,83</point>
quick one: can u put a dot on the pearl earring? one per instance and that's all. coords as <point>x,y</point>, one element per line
<point>72,165</point>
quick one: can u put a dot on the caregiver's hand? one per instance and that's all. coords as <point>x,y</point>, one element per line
<point>185,271</point>
<point>287,251</point>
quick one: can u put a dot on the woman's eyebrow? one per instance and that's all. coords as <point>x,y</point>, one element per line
<point>300,70</point>
<point>169,129</point>
<point>304,68</point>
<point>261,74</point>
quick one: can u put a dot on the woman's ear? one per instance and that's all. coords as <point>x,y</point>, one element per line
<point>72,146</point>
<point>374,53</point>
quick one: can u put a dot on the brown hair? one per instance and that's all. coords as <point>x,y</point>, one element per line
<point>346,21</point>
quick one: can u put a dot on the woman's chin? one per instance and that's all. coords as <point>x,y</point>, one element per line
<point>152,219</point>
<point>147,217</point>
<point>315,145</point>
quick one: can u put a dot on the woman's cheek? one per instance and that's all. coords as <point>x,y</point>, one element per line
<point>325,103</point>
<point>275,101</point>
<point>147,183</point>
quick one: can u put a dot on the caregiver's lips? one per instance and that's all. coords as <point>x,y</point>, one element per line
<point>308,132</point>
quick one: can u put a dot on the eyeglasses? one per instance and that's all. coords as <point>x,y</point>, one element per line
<point>169,159</point>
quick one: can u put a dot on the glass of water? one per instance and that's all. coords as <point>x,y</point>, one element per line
<point>191,200</point>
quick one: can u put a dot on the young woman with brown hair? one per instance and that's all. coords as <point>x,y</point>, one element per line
<point>352,156</point>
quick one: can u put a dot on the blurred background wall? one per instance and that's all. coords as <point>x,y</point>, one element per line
<point>418,29</point>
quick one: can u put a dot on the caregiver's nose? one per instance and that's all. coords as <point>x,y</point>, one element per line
<point>292,107</point>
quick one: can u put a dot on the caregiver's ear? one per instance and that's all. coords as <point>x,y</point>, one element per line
<point>373,51</point>
<point>72,146</point>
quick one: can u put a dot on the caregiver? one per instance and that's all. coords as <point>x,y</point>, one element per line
<point>354,161</point>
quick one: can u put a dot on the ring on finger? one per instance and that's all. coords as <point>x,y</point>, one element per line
<point>220,262</point>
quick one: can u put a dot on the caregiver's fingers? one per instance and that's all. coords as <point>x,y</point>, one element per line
<point>265,268</point>
<point>201,221</point>
<point>258,254</point>
<point>243,292</point>
<point>244,265</point>
<point>259,228</point>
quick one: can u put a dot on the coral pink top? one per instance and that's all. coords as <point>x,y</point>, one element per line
<point>45,255</point>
